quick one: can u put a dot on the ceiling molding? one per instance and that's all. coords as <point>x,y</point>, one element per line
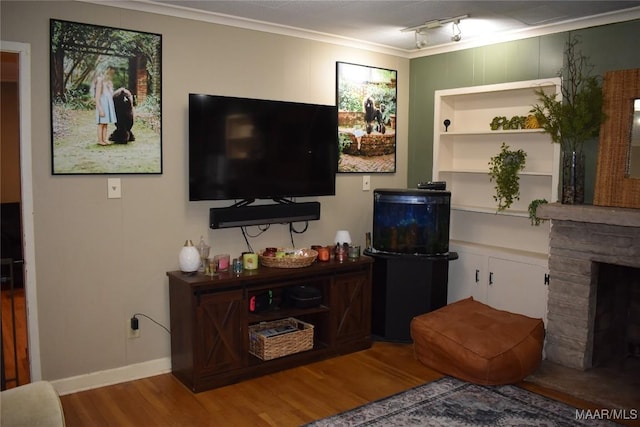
<point>247,24</point>
<point>255,25</point>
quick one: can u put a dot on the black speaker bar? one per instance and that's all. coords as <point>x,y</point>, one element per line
<point>240,216</point>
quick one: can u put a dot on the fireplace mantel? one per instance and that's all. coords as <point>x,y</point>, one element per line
<point>624,217</point>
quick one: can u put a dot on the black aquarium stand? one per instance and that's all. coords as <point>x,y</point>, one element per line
<point>405,286</point>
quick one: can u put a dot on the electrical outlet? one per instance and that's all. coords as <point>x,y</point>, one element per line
<point>114,188</point>
<point>131,333</point>
<point>366,183</point>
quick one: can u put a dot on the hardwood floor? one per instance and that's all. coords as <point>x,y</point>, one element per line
<point>21,338</point>
<point>289,398</point>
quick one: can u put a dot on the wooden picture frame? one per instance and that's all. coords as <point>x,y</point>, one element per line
<point>614,187</point>
<point>123,70</point>
<point>366,98</point>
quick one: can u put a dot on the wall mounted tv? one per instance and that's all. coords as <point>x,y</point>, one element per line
<point>242,148</point>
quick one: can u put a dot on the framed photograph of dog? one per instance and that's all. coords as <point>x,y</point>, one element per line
<point>367,100</point>
<point>106,100</point>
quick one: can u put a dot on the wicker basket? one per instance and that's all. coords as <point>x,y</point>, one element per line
<point>296,259</point>
<point>266,343</point>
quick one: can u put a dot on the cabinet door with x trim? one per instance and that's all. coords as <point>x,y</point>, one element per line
<point>221,330</point>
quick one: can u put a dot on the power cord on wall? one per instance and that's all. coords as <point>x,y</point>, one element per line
<point>293,230</point>
<point>246,235</point>
<point>135,325</point>
<point>264,228</point>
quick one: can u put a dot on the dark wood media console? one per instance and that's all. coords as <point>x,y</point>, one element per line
<point>210,319</point>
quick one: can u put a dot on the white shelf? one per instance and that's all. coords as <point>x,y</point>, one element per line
<point>493,211</point>
<point>486,172</point>
<point>493,132</point>
<point>462,153</point>
<point>468,145</point>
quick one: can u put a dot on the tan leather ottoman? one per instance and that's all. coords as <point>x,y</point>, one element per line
<point>477,343</point>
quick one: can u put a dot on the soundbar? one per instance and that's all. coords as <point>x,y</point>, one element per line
<point>240,216</point>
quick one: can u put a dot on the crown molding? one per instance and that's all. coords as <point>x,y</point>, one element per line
<point>247,24</point>
<point>255,25</point>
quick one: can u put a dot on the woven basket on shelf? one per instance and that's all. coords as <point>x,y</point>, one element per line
<point>300,258</point>
<point>267,348</point>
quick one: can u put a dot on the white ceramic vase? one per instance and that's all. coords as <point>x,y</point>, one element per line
<point>189,258</point>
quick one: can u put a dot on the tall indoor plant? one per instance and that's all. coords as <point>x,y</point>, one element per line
<point>573,119</point>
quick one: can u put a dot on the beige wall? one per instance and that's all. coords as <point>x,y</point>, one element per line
<point>98,261</point>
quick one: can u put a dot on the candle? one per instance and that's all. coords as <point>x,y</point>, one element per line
<point>250,261</point>
<point>323,254</point>
<point>354,252</point>
<point>223,262</point>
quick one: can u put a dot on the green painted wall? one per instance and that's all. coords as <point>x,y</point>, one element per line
<point>608,47</point>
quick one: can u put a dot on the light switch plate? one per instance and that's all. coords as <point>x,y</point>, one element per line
<point>366,183</point>
<point>114,188</point>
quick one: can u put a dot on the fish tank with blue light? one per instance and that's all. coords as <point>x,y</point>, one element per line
<point>411,221</point>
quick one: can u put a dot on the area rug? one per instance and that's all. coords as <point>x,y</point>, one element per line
<point>451,402</point>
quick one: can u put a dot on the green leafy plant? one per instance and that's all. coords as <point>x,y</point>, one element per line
<point>576,117</point>
<point>533,211</point>
<point>503,169</point>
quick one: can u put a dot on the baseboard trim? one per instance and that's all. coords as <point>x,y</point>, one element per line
<point>112,376</point>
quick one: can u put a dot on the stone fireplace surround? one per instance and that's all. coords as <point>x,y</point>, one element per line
<point>581,237</point>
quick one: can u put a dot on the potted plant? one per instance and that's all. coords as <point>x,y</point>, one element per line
<point>533,211</point>
<point>503,169</point>
<point>572,120</point>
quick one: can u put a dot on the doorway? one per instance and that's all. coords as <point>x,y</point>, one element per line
<point>17,193</point>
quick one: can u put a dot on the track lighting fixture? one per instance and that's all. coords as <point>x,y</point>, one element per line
<point>421,30</point>
<point>457,34</point>
<point>420,41</point>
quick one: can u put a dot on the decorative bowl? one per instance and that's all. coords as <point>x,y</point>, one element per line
<point>293,258</point>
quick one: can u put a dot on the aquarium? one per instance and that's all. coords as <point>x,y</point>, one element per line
<point>408,221</point>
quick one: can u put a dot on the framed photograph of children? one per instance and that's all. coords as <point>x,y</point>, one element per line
<point>366,98</point>
<point>106,100</point>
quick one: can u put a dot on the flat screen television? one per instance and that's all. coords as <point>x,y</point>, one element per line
<point>243,148</point>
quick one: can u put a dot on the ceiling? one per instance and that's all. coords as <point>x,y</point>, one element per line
<point>378,23</point>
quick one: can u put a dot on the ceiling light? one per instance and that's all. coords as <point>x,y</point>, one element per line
<point>421,42</point>
<point>435,23</point>
<point>457,33</point>
<point>422,30</point>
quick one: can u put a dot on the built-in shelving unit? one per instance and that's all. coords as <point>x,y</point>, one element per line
<point>502,257</point>
<point>463,149</point>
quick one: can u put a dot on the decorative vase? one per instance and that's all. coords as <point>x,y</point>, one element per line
<point>189,258</point>
<point>572,177</point>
